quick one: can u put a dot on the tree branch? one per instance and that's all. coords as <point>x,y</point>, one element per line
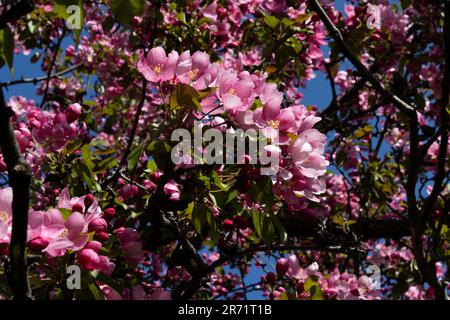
<point>50,68</point>
<point>19,173</point>
<point>350,55</point>
<point>443,146</point>
<point>38,79</point>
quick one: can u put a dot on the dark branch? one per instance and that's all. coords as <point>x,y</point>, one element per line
<point>19,173</point>
<point>350,55</point>
<point>39,79</point>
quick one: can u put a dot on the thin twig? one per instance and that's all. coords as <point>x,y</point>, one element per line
<point>350,55</point>
<point>38,79</point>
<point>50,68</point>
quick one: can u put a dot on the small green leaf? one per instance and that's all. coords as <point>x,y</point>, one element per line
<point>264,226</point>
<point>216,179</point>
<point>184,96</point>
<point>271,21</point>
<point>65,213</point>
<point>7,47</point>
<point>95,291</point>
<point>151,166</point>
<point>133,158</point>
<point>72,146</point>
<point>199,218</point>
<point>359,133</point>
<point>280,228</point>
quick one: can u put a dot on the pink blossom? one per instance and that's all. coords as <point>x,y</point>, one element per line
<point>158,66</point>
<point>6,196</point>
<point>171,188</point>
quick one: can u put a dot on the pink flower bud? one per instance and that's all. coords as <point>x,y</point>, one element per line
<point>89,200</point>
<point>271,278</point>
<point>102,236</point>
<point>98,225</point>
<point>77,208</point>
<point>282,266</point>
<point>109,213</point>
<point>73,112</point>
<point>88,259</point>
<point>94,245</point>
<point>228,224</point>
<point>37,244</point>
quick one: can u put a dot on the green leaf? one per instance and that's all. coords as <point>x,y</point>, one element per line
<point>151,166</point>
<point>95,291</point>
<point>65,213</point>
<point>359,133</point>
<point>313,287</point>
<point>7,47</point>
<point>261,191</point>
<point>303,17</point>
<point>264,226</point>
<point>341,157</point>
<point>283,296</point>
<point>199,218</point>
<point>133,158</point>
<point>283,54</point>
<point>72,146</point>
<point>280,228</point>
<point>160,151</point>
<point>125,10</point>
<point>271,21</point>
<point>216,179</point>
<point>184,96</point>
<point>88,177</point>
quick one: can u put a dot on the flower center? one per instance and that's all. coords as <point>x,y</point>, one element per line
<point>192,74</point>
<point>232,91</point>
<point>4,217</point>
<point>273,123</point>
<point>157,69</point>
<point>64,233</point>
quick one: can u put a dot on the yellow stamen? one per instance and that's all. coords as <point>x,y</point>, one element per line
<point>4,216</point>
<point>64,233</point>
<point>273,123</point>
<point>232,91</point>
<point>192,74</point>
<point>157,69</point>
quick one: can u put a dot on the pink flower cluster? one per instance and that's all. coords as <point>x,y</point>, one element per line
<point>301,147</point>
<point>71,227</point>
<point>54,133</point>
<point>336,285</point>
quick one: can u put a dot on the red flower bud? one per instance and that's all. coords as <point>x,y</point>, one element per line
<point>37,244</point>
<point>282,266</point>
<point>98,225</point>
<point>77,208</point>
<point>102,236</point>
<point>271,278</point>
<point>89,200</point>
<point>109,213</point>
<point>228,224</point>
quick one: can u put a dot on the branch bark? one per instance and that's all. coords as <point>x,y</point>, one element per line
<point>19,173</point>
<point>351,56</point>
<point>38,79</point>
